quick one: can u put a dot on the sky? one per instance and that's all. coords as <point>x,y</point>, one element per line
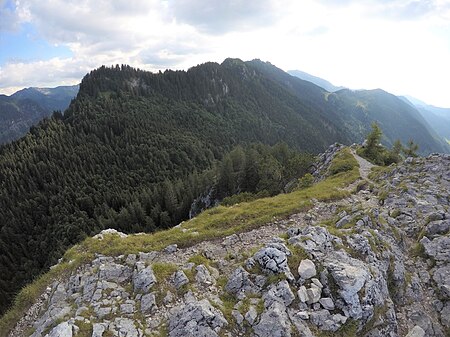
<point>401,46</point>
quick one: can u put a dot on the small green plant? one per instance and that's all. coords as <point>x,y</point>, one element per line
<point>199,259</point>
<point>342,162</point>
<point>306,181</point>
<point>275,278</point>
<point>163,270</point>
<point>395,213</point>
<point>85,329</point>
<point>382,196</point>
<point>418,250</point>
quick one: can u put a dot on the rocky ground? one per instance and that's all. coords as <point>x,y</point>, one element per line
<point>373,264</point>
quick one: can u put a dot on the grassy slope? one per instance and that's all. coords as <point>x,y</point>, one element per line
<point>214,223</point>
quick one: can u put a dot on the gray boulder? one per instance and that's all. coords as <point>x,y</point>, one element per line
<point>438,248</point>
<point>437,227</point>
<point>197,318</point>
<point>350,276</point>
<point>179,279</point>
<point>274,322</point>
<point>203,275</point>
<point>307,269</point>
<point>327,303</point>
<point>251,315</point>
<point>343,221</point>
<point>148,302</point>
<point>273,259</point>
<point>417,331</point>
<point>143,278</point>
<point>239,282</point>
<point>61,330</point>
<point>114,272</point>
<point>280,292</point>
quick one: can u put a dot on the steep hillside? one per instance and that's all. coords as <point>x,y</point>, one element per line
<point>27,107</point>
<point>345,257</point>
<point>397,119</point>
<point>16,117</point>
<point>438,118</point>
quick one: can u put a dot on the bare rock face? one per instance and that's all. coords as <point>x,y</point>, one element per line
<point>196,319</point>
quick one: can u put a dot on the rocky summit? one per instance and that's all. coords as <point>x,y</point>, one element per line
<point>374,262</point>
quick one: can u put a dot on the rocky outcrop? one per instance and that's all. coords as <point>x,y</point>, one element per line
<point>374,264</point>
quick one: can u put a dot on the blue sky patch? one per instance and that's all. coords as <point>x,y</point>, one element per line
<point>26,45</point>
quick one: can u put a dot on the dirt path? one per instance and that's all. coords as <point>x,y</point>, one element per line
<point>364,166</point>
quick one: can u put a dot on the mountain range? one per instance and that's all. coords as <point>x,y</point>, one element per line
<point>436,118</point>
<point>27,107</point>
<point>134,149</point>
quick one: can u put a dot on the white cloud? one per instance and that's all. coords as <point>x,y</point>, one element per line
<point>399,45</point>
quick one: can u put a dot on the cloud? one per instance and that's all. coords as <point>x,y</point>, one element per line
<point>9,19</point>
<point>219,16</point>
<point>51,72</point>
<point>395,9</point>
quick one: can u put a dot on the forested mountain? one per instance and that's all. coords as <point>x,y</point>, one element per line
<point>28,106</point>
<point>316,80</point>
<point>134,149</point>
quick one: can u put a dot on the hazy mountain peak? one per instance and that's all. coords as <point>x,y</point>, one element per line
<point>316,80</point>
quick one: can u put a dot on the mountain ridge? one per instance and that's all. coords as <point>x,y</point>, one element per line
<point>27,107</point>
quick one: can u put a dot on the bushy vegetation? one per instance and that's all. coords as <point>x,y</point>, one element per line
<point>380,155</point>
<point>343,162</point>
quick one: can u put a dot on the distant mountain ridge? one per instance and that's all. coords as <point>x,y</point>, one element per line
<point>316,80</point>
<point>434,121</point>
<point>27,107</point>
<point>437,118</point>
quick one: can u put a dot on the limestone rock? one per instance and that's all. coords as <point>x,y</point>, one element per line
<point>109,231</point>
<point>327,303</point>
<point>203,275</point>
<point>313,294</point>
<point>273,259</point>
<point>61,330</point>
<point>198,318</point>
<point>302,294</point>
<point>143,278</point>
<point>171,249</point>
<point>417,331</point>
<point>274,322</point>
<point>148,302</point>
<point>179,279</point>
<point>350,276</point>
<point>307,269</point>
<point>251,315</point>
<point>280,292</point>
<point>239,282</point>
